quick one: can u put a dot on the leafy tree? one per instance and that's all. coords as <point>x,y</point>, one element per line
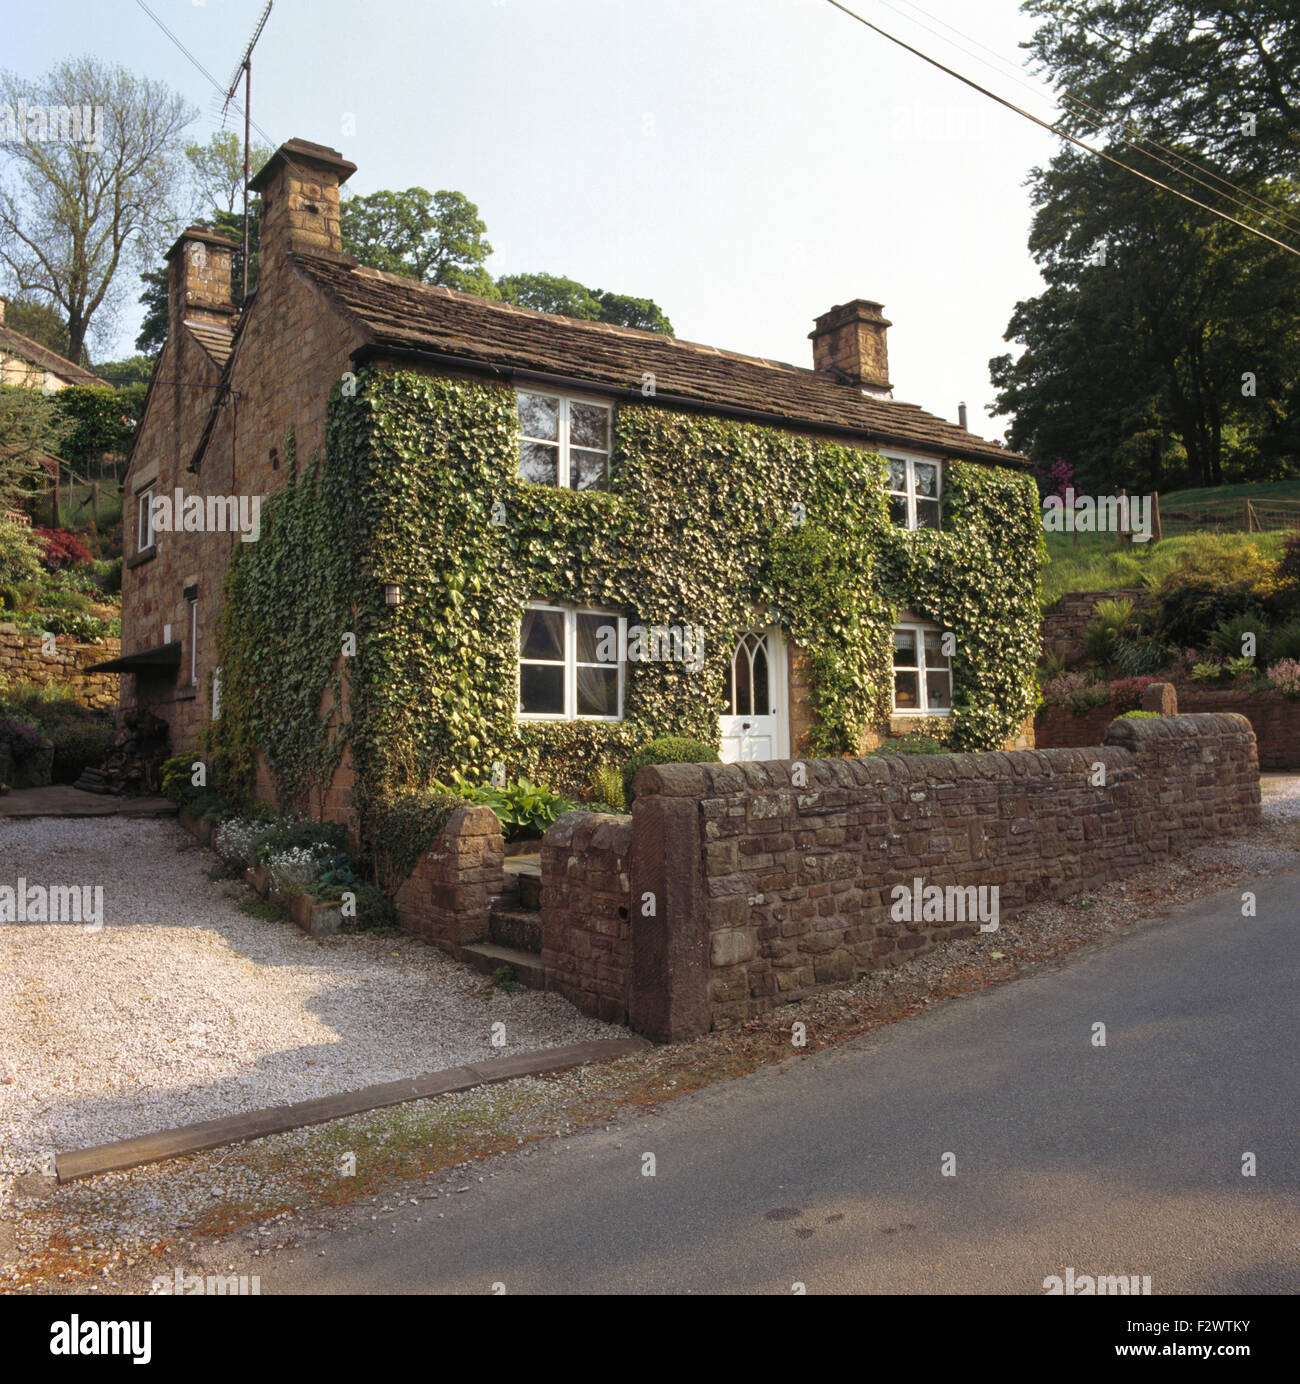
<point>40,321</point>
<point>72,211</point>
<point>437,238</point>
<point>31,427</point>
<point>122,374</point>
<point>98,420</point>
<point>554,293</point>
<point>218,171</point>
<point>1164,348</point>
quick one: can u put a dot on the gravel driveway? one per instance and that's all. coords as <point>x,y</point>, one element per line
<point>183,1008</point>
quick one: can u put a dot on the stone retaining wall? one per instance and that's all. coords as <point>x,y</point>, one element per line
<point>751,885</point>
<point>448,896</point>
<point>1062,629</point>
<point>21,660</point>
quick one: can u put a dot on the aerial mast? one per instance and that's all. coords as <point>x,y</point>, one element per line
<point>246,68</point>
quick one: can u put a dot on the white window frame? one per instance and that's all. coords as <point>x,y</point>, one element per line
<point>920,630</point>
<point>910,460</point>
<point>194,642</point>
<point>561,441</point>
<point>144,535</point>
<point>571,664</point>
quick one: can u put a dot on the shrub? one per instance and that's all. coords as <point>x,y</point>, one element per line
<point>176,774</point>
<point>911,744</point>
<point>295,871</point>
<point>1113,620</point>
<point>606,786</point>
<point>1213,581</point>
<point>233,841</point>
<point>1239,667</point>
<point>20,557</point>
<point>523,809</point>
<point>23,738</point>
<point>1137,657</point>
<point>1206,672</point>
<point>107,573</point>
<point>1135,715</point>
<point>1227,638</point>
<point>670,749</point>
<point>60,549</point>
<point>78,745</point>
<point>1126,693</point>
<point>1285,677</point>
<point>1282,642</point>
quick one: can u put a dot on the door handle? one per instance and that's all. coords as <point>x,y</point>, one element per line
<point>744,725</point>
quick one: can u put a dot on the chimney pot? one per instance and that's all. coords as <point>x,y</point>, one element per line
<point>849,345</point>
<point>961,415</point>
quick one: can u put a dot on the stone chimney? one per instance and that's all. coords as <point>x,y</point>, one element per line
<point>849,346</point>
<point>198,280</point>
<point>299,185</point>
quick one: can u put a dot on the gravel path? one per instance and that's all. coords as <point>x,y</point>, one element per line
<point>183,1008</point>
<point>1279,795</point>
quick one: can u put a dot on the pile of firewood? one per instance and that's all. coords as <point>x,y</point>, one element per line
<point>135,757</point>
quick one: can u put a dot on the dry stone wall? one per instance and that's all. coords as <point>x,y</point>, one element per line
<point>768,881</point>
<point>22,660</point>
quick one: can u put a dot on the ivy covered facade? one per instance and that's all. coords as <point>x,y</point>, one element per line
<point>494,542</point>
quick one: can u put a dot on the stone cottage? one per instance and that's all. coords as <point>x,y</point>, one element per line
<point>632,535</point>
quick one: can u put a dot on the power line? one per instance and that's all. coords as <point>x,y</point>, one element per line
<point>1098,120</point>
<point>1061,134</point>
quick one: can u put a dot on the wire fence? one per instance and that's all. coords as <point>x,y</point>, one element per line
<point>1250,516</point>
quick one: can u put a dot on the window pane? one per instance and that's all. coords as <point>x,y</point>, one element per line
<point>934,654</point>
<point>938,690</point>
<point>741,701</point>
<point>597,691</point>
<point>898,510</point>
<point>541,688</point>
<point>541,635</point>
<point>539,416</point>
<point>762,701</point>
<point>539,463</point>
<point>597,639</point>
<point>927,478</point>
<point>587,469</point>
<point>905,696</point>
<point>927,514</point>
<point>897,474</point>
<point>905,649</point>
<point>589,426</point>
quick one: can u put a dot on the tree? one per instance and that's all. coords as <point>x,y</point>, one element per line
<point>1164,348</point>
<point>31,427</point>
<point>217,171</point>
<point>122,374</point>
<point>1219,79</point>
<point>554,293</point>
<point>98,420</point>
<point>40,322</point>
<point>437,238</point>
<point>72,210</point>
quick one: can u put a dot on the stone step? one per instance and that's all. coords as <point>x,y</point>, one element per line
<point>515,927</point>
<point>489,958</point>
<point>524,880</point>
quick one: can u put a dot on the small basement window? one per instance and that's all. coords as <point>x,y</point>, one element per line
<point>915,491</point>
<point>922,672</point>
<point>571,664</point>
<point>564,441</point>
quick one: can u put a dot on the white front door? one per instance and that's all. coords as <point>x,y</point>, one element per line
<point>758,719</point>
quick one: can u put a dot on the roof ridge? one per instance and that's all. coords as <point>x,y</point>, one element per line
<point>41,351</point>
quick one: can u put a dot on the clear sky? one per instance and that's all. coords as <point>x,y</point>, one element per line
<point>745,163</point>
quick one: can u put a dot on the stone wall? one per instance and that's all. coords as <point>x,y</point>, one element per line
<point>586,927</point>
<point>763,889</point>
<point>448,896</point>
<point>1063,627</point>
<point>21,660</point>
<point>1275,721</point>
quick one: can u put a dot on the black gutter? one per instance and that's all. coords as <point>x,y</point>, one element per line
<point>372,350</point>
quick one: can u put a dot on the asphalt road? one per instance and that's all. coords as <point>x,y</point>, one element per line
<point>1122,1159</point>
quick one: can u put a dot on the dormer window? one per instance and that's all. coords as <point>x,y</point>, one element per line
<point>564,441</point>
<point>915,490</point>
